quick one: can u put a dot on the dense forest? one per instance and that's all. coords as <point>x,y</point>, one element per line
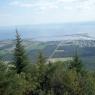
<point>22,77</point>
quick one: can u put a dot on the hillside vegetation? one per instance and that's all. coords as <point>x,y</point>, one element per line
<point>52,49</point>
<point>21,77</point>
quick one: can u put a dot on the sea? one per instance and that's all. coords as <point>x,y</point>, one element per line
<point>50,32</point>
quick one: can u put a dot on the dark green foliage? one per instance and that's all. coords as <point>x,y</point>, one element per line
<point>43,78</point>
<point>20,56</point>
<point>46,79</point>
<point>76,63</point>
<point>10,82</point>
<point>41,59</point>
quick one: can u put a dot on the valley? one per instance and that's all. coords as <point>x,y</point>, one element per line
<point>52,50</point>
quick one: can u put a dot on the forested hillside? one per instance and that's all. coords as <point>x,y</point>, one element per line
<point>21,77</point>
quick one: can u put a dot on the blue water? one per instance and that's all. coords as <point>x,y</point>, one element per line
<point>46,32</point>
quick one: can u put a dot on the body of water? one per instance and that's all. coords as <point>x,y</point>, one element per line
<point>50,31</point>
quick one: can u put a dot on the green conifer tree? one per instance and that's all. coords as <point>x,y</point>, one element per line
<point>41,58</point>
<point>76,63</point>
<point>20,56</point>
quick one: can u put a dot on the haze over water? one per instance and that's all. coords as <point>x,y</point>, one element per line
<point>49,32</point>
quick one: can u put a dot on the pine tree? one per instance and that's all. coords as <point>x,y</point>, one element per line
<point>41,58</point>
<point>20,56</point>
<point>76,63</point>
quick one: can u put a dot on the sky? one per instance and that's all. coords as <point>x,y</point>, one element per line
<point>27,12</point>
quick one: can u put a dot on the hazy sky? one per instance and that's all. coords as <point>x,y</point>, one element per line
<point>23,12</point>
